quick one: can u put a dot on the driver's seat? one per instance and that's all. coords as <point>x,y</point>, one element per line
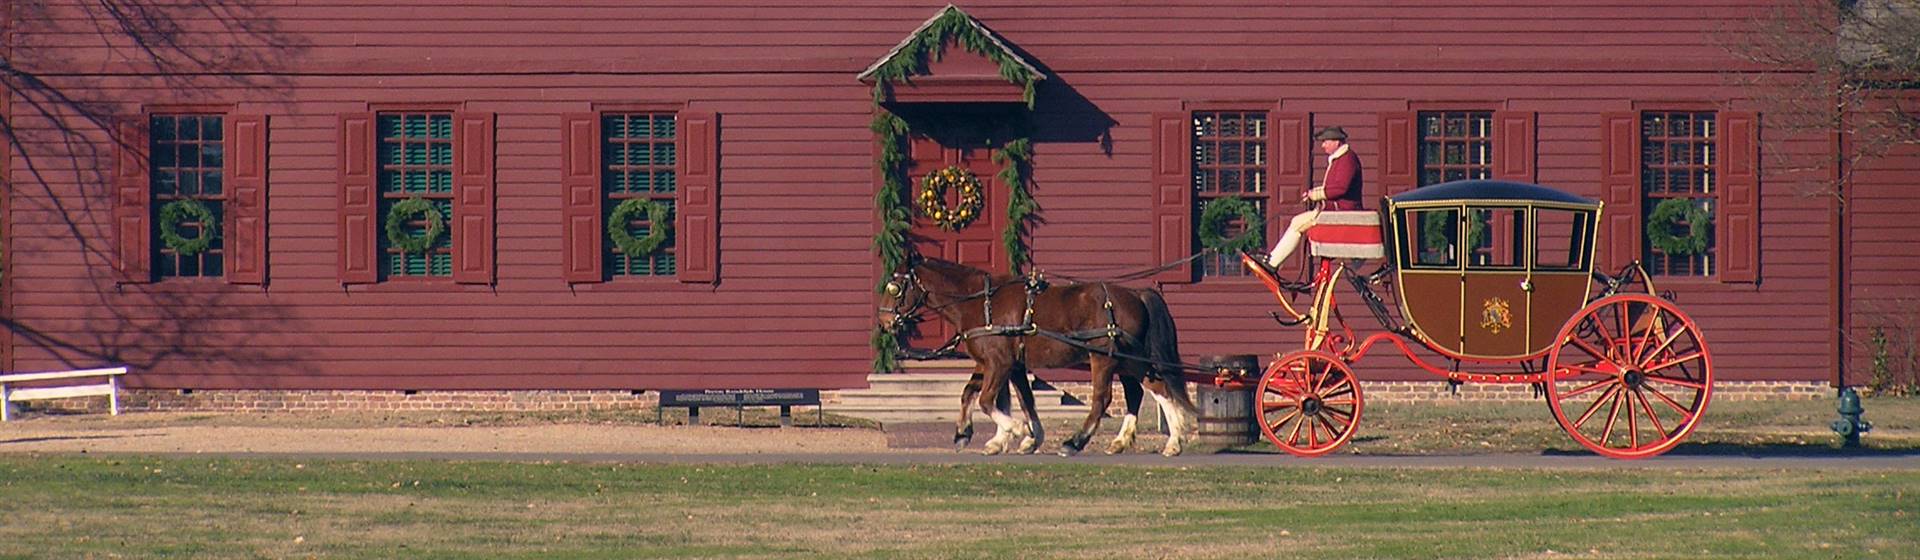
<point>1346,235</point>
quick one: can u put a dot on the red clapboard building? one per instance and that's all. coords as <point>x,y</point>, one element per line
<point>415,195</point>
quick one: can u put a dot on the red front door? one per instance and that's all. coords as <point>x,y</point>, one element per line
<point>978,243</point>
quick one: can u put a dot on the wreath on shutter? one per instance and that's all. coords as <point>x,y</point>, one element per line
<point>1674,212</point>
<point>933,192</point>
<point>1213,226</point>
<point>180,211</point>
<point>658,230</point>
<point>405,211</point>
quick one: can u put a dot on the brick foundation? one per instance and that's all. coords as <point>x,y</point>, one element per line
<point>534,401</point>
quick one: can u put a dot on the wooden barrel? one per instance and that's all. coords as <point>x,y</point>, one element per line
<point>1226,413</point>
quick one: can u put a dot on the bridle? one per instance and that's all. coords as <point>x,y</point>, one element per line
<point>896,289</point>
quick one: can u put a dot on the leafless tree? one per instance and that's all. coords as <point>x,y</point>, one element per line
<point>55,58</point>
<point>1845,66</point>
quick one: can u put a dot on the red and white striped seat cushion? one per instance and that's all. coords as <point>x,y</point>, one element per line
<point>1346,235</point>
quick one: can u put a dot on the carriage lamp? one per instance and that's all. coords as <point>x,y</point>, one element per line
<point>1850,425</point>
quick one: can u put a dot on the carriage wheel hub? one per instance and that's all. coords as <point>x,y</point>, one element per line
<point>1634,378</point>
<point>1311,406</point>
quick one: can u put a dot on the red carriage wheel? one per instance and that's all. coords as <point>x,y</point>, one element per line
<point>1309,403</point>
<point>1631,376</point>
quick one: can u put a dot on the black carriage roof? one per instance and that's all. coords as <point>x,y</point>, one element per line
<point>1482,189</point>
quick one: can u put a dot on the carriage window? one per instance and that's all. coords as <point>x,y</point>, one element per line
<point>1427,238</point>
<point>1495,237</point>
<point>1561,239</point>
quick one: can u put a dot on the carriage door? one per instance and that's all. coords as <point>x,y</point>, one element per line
<point>975,244</point>
<point>1495,302</point>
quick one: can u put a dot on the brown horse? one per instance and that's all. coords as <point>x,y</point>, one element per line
<point>1140,325</point>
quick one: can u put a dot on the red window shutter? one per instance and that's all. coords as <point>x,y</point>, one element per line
<point>359,200</point>
<point>1289,165</point>
<point>1620,189</point>
<point>132,200</point>
<point>1172,183</point>
<point>1513,142</point>
<point>1399,149</point>
<point>246,171</point>
<point>473,198</point>
<point>581,222</point>
<point>1739,211</point>
<point>697,223</point>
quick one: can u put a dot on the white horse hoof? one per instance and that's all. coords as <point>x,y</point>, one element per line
<point>1029,445</point>
<point>1118,447</point>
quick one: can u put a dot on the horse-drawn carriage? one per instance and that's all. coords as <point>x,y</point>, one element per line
<point>1485,273</point>
<point>1488,273</point>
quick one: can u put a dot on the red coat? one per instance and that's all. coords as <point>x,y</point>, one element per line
<point>1342,183</point>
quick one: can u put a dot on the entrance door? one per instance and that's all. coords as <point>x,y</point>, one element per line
<point>978,243</point>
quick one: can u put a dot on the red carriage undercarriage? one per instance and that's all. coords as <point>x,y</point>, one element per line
<point>1491,275</point>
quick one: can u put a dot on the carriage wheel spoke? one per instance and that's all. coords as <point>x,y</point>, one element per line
<point>1623,318</point>
<point>1633,421</point>
<point>1330,402</point>
<point>1677,381</point>
<point>1294,438</point>
<point>1673,362</point>
<point>1273,406</point>
<point>1613,416</point>
<point>1670,402</point>
<point>1587,347</point>
<point>1587,389</point>
<point>1333,433</point>
<point>1345,386</point>
<point>1663,346</point>
<point>1651,416</point>
<point>1282,422</point>
<point>1313,432</point>
<point>1595,406</point>
<point>1590,369</point>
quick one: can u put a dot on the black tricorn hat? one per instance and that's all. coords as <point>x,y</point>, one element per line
<point>1331,133</point>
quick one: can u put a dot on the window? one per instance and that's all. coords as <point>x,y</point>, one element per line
<point>186,166</point>
<point>1455,145</point>
<point>1427,237</point>
<point>416,195</point>
<point>655,161</point>
<point>1495,237</point>
<point>638,151</point>
<point>1678,185</point>
<point>1229,161</point>
<point>416,161</point>
<point>190,195</point>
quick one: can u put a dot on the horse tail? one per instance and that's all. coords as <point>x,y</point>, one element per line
<point>1163,345</point>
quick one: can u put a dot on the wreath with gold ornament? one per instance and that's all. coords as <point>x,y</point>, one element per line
<point>933,194</point>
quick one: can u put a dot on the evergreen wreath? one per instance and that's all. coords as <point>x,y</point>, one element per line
<point>1436,231</point>
<point>657,231</point>
<point>405,210</point>
<point>186,209</point>
<point>1670,213</point>
<point>1213,225</point>
<point>933,191</point>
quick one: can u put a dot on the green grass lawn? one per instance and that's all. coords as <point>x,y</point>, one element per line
<point>76,506</point>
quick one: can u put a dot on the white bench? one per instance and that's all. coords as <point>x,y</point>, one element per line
<point>9,393</point>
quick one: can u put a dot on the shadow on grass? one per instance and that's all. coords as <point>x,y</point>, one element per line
<point>1763,451</point>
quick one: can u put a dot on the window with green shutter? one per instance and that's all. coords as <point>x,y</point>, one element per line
<point>416,160</point>
<point>638,154</point>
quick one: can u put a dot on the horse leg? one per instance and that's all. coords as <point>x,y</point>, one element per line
<point>1179,413</point>
<point>1096,409</point>
<point>963,430</point>
<point>994,400</point>
<point>1033,433</point>
<point>1130,425</point>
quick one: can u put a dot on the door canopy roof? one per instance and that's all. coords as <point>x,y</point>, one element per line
<point>918,71</point>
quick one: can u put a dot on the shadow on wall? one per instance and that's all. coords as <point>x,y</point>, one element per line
<point>60,115</point>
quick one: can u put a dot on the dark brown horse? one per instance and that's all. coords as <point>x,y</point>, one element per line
<point>1140,326</point>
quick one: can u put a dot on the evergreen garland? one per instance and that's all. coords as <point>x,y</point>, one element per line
<point>1671,213</point>
<point>404,210</point>
<point>658,228</point>
<point>187,209</point>
<point>951,24</point>
<point>1213,226</point>
<point>1015,158</point>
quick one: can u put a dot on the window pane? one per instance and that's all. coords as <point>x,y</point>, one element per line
<point>1429,236</point>
<point>1559,237</point>
<point>1496,236</point>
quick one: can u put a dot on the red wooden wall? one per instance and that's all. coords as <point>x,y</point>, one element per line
<point>792,304</point>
